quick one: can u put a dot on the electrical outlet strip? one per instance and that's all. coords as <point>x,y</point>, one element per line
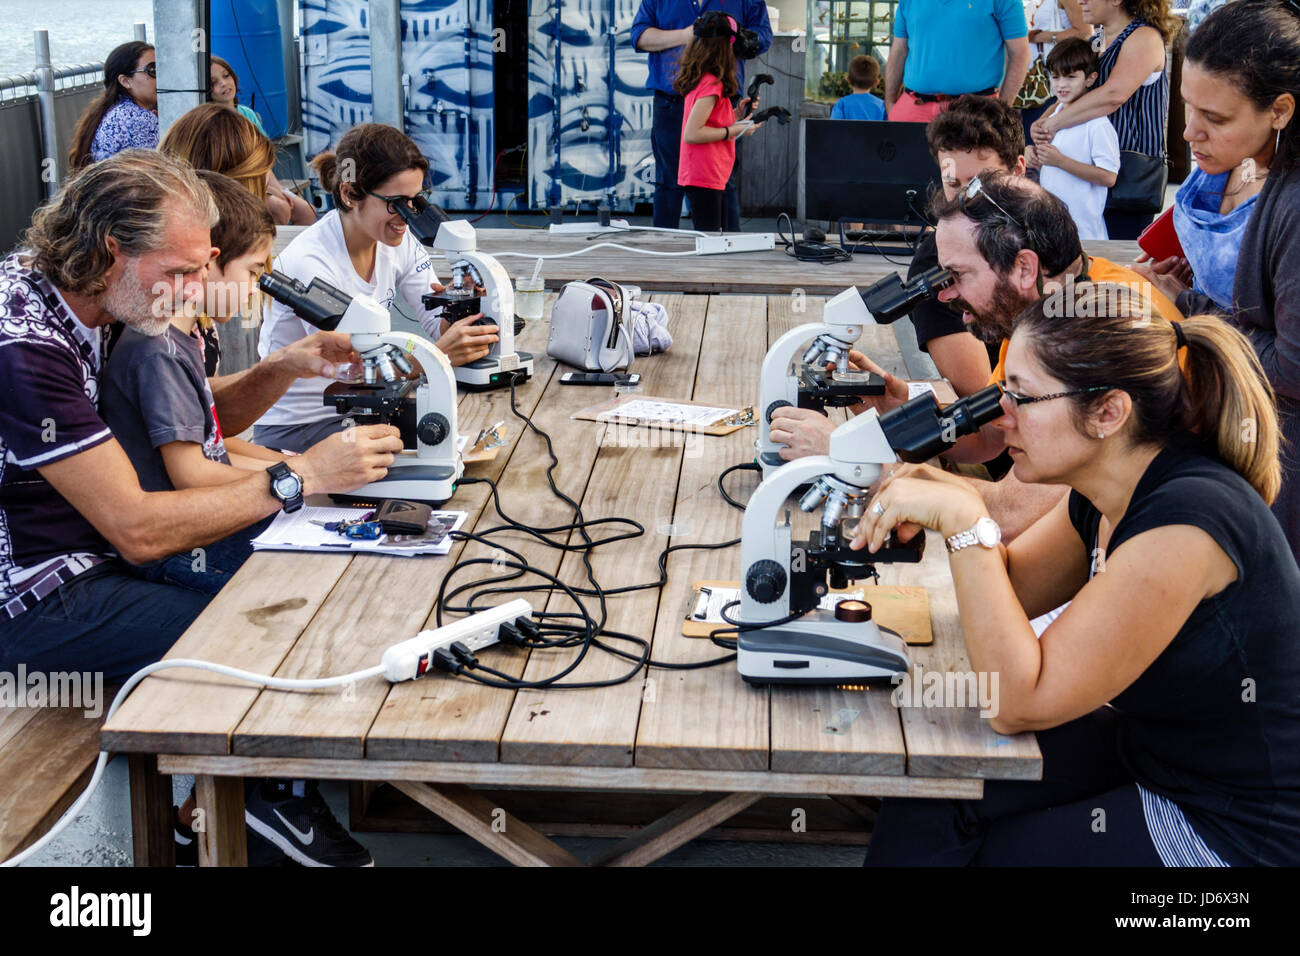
<point>413,658</point>
<point>585,228</point>
<point>734,242</point>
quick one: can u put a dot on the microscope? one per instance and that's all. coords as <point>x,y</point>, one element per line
<point>822,377</point>
<point>422,408</point>
<point>471,271</point>
<point>785,637</point>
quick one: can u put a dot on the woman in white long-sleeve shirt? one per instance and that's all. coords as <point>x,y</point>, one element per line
<point>363,247</point>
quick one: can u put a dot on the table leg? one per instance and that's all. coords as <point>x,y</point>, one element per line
<point>222,842</point>
<point>476,817</point>
<point>152,839</point>
<point>676,828</point>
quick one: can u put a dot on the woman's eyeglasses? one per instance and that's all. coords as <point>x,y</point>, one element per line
<point>393,202</point>
<point>1017,400</point>
<point>151,69</point>
<point>976,188</point>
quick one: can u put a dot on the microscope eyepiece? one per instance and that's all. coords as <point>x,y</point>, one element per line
<point>891,298</point>
<point>319,303</point>
<point>423,218</point>
<point>919,429</point>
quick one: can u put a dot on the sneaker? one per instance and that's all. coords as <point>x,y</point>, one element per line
<point>260,852</point>
<point>302,827</point>
<point>187,844</point>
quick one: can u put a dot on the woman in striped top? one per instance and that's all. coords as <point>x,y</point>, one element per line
<point>1132,87</point>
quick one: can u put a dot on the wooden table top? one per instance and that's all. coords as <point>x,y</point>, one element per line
<point>312,615</point>
<point>756,273</point>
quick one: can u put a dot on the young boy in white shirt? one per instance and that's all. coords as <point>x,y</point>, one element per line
<point>1081,163</point>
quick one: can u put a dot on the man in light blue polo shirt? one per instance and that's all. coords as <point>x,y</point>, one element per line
<point>945,48</point>
<point>663,28</point>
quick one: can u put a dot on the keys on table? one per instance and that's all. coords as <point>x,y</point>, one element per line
<point>357,528</point>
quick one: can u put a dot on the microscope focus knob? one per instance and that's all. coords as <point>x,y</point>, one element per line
<point>771,409</point>
<point>433,429</point>
<point>765,581</point>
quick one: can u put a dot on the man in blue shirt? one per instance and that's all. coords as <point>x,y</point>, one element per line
<point>663,28</point>
<point>945,48</point>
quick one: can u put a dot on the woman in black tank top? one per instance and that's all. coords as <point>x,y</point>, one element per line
<point>1168,692</point>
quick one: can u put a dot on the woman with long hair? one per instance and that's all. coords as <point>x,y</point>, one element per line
<point>1166,696</point>
<point>210,136</point>
<point>362,247</point>
<point>1132,89</point>
<point>223,89</point>
<point>707,79</point>
<point>125,115</point>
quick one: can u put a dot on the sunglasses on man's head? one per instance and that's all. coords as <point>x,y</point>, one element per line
<point>976,188</point>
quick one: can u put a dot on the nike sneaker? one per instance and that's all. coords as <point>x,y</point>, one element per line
<point>303,828</point>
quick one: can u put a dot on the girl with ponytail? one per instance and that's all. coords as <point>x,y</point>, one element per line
<point>1167,693</point>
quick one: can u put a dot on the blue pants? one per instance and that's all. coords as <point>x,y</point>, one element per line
<point>666,142</point>
<point>297,438</point>
<point>1030,823</point>
<point>105,619</point>
<point>205,569</point>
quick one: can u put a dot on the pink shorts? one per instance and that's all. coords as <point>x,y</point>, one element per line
<point>908,110</point>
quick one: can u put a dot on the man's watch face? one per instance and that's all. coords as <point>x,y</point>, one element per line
<point>287,486</point>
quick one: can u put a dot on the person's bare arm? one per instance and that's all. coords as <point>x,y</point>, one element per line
<point>1141,55</point>
<point>1051,156</point>
<point>654,40</point>
<point>1017,65</point>
<point>962,360</point>
<point>188,467</point>
<point>241,398</point>
<point>894,72</point>
<point>101,484</point>
<point>251,455</point>
<point>1076,28</point>
<point>1015,505</point>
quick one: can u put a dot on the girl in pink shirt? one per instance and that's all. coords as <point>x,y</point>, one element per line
<point>707,78</point>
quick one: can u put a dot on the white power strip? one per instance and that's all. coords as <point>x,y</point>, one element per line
<point>414,657</point>
<point>734,242</point>
<point>585,228</point>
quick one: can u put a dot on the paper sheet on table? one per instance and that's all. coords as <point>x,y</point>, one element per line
<point>652,411</point>
<point>295,532</point>
<point>919,388</point>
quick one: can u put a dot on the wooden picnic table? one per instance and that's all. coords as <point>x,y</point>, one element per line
<point>702,731</point>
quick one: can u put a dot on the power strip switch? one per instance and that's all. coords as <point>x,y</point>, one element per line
<point>414,657</point>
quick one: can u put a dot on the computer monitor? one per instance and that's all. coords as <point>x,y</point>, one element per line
<point>862,171</point>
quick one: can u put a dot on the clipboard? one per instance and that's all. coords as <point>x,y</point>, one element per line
<point>668,413</point>
<point>904,609</point>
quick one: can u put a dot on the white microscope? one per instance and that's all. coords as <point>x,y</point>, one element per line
<point>478,283</point>
<point>785,637</point>
<point>822,377</point>
<point>423,408</point>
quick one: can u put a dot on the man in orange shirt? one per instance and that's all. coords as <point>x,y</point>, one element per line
<point>1007,243</point>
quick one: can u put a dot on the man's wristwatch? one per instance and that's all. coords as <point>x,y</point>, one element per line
<point>986,534</point>
<point>286,485</point>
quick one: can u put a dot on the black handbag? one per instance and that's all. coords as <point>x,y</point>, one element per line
<point>1140,185</point>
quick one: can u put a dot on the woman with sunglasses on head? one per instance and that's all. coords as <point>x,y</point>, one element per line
<point>1166,697</point>
<point>125,115</point>
<point>362,247</point>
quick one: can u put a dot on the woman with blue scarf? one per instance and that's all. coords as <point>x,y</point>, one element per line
<point>1241,82</point>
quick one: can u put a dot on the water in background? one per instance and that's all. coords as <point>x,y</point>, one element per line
<point>81,31</point>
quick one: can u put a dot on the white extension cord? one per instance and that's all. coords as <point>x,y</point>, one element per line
<point>403,661</point>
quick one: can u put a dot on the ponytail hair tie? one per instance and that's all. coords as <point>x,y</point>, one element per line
<point>1180,335</point>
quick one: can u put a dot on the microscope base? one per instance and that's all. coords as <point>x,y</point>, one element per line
<point>818,649</point>
<point>489,373</point>
<point>431,484</point>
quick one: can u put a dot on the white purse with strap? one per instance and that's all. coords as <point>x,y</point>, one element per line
<point>591,325</point>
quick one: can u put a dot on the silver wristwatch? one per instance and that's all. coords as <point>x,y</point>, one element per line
<point>986,534</point>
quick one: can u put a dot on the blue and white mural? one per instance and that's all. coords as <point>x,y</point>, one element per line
<point>447,71</point>
<point>589,113</point>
